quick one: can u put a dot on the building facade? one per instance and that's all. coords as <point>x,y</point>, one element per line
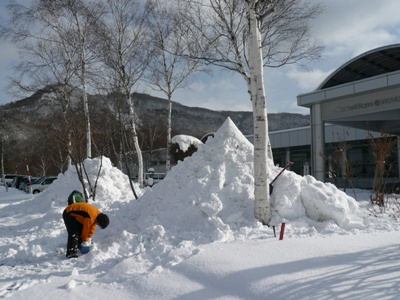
<point>362,94</point>
<point>347,158</point>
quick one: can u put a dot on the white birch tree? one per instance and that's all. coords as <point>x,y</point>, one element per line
<point>83,17</point>
<point>245,36</point>
<point>68,25</point>
<point>262,149</point>
<point>170,69</point>
<point>47,58</point>
<point>124,48</point>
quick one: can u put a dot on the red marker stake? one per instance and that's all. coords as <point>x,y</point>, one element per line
<point>282,231</point>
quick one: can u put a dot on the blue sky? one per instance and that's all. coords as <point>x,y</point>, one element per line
<point>347,28</point>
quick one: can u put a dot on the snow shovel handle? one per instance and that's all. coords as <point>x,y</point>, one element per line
<point>289,163</point>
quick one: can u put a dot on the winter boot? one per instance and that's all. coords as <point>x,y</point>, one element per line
<point>72,255</point>
<point>72,246</point>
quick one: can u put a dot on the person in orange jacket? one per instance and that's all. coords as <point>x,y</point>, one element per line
<point>81,219</point>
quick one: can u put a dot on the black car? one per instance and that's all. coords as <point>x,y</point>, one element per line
<point>17,181</point>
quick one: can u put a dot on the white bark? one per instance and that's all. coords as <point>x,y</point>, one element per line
<point>262,208</point>
<point>82,76</point>
<point>169,121</point>
<point>65,106</point>
<point>125,55</point>
<point>85,98</point>
<point>88,130</point>
<point>135,139</point>
<point>86,106</point>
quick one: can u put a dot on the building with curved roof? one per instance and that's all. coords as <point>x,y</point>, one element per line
<point>363,93</point>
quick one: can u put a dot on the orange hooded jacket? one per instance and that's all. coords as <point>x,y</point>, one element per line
<point>85,214</point>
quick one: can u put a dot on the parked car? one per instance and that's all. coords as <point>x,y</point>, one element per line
<point>41,184</point>
<point>24,182</point>
<point>16,181</point>
<point>25,186</point>
<point>8,178</point>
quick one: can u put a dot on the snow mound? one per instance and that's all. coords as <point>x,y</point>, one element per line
<point>185,141</point>
<point>296,197</point>
<point>210,196</point>
<point>324,202</point>
<point>112,185</point>
<point>206,198</point>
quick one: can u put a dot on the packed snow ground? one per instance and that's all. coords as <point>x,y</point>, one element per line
<point>194,236</point>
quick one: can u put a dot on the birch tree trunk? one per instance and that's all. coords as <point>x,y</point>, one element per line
<point>86,111</point>
<point>135,138</point>
<point>124,50</point>
<point>82,60</point>
<point>169,124</point>
<point>262,208</point>
<point>65,107</point>
<point>85,98</point>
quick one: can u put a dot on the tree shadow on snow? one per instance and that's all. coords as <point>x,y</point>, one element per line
<point>369,274</point>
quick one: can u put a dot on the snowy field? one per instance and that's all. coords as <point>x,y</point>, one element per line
<point>194,236</point>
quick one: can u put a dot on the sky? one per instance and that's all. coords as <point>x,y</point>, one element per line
<point>194,236</point>
<point>346,28</point>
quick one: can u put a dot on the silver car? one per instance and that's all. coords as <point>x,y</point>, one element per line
<point>40,185</point>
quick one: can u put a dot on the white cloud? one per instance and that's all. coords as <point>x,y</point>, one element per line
<point>308,80</point>
<point>225,91</point>
<point>197,86</point>
<point>227,104</point>
<point>353,27</point>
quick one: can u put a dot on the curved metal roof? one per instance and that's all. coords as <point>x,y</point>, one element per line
<point>372,63</point>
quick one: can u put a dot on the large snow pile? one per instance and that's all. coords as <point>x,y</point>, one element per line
<point>208,197</point>
<point>112,185</point>
<point>304,200</point>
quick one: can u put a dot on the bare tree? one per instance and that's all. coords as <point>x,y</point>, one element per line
<point>339,166</point>
<point>42,164</point>
<point>47,55</point>
<point>125,52</point>
<point>113,125</point>
<point>77,150</point>
<point>151,132</point>
<point>83,19</point>
<point>244,36</point>
<point>170,69</point>
<point>6,138</point>
<point>381,149</point>
<point>55,38</point>
<point>41,156</point>
<point>59,160</point>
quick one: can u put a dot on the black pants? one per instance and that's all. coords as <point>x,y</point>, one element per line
<point>74,229</point>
